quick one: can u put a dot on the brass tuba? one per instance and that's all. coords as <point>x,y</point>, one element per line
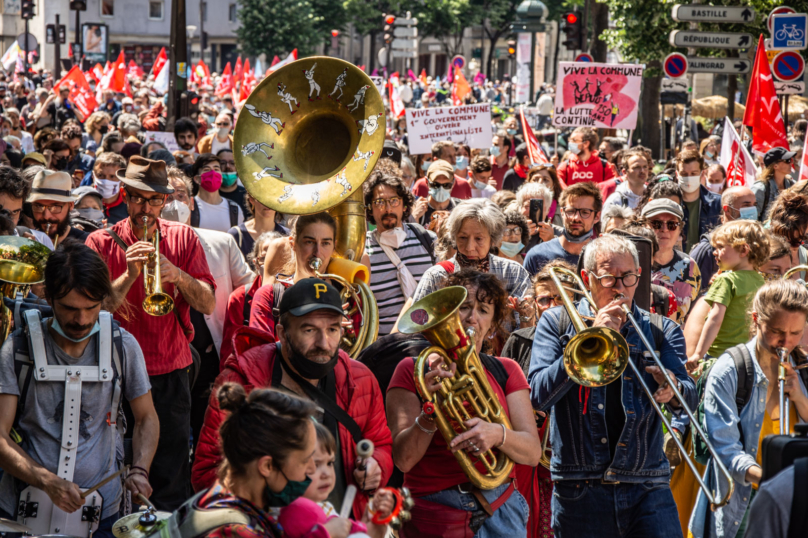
<point>436,316</point>
<point>156,302</point>
<point>22,264</point>
<point>301,150</point>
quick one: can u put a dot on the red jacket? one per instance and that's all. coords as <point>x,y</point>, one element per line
<point>576,171</point>
<point>235,316</point>
<point>357,393</point>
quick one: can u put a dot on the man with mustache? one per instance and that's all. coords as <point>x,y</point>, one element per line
<point>165,339</point>
<point>308,362</point>
<point>51,203</point>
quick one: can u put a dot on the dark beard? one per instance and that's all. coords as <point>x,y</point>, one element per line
<point>307,367</point>
<point>60,227</point>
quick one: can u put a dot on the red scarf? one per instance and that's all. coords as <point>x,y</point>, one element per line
<point>520,170</point>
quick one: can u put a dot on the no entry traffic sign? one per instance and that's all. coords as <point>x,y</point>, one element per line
<point>584,57</point>
<point>675,65</point>
<point>788,66</point>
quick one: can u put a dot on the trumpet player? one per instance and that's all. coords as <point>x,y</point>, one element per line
<point>740,409</point>
<point>183,269</point>
<point>608,465</point>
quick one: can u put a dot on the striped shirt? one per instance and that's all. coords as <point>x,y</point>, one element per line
<point>383,275</point>
<point>512,275</point>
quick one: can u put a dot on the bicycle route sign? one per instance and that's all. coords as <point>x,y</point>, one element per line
<point>788,31</point>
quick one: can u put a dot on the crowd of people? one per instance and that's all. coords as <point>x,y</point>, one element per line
<point>242,398</point>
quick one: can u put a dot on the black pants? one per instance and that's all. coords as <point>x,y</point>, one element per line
<point>170,474</point>
<point>207,371</point>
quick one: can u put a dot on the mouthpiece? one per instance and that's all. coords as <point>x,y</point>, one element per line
<point>364,448</point>
<point>315,263</point>
<point>782,354</point>
<point>471,332</point>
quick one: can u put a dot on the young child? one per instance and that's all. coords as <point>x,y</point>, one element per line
<point>313,516</point>
<point>741,247</point>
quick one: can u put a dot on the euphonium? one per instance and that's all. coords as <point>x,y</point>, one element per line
<point>156,302</point>
<point>436,317</point>
<point>22,264</point>
<point>303,150</point>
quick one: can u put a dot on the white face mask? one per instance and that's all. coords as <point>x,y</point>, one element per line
<point>480,185</point>
<point>107,187</point>
<point>689,183</point>
<point>715,187</point>
<point>224,131</point>
<point>393,238</point>
<point>573,147</point>
<point>176,211</point>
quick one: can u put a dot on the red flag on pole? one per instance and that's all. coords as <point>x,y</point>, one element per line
<point>226,83</point>
<point>534,149</point>
<point>80,94</point>
<point>460,88</point>
<point>159,62</point>
<point>763,112</point>
<point>238,72</point>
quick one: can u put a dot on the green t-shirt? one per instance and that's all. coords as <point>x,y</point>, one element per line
<point>735,289</point>
<point>693,217</point>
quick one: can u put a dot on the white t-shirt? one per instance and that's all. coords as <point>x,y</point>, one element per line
<point>487,192</point>
<point>217,146</point>
<point>216,217</point>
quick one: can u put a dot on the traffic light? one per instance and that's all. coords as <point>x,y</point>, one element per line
<point>573,29</point>
<point>388,28</point>
<point>27,9</point>
<point>78,5</point>
<point>511,49</point>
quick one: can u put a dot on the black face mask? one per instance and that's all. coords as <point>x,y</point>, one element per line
<point>308,368</point>
<point>103,129</point>
<point>60,163</point>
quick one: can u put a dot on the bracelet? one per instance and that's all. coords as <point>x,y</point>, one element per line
<point>430,432</point>
<point>504,435</point>
<point>137,472</point>
<point>137,468</point>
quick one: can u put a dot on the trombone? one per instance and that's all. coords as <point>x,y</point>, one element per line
<point>596,356</point>
<point>156,302</point>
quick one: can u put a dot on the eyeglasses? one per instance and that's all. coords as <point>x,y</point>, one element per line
<point>512,231</point>
<point>546,300</point>
<point>445,186</point>
<point>571,212</point>
<point>672,225</point>
<point>609,281</point>
<point>54,209</point>
<point>225,164</point>
<point>139,200</point>
<point>392,202</point>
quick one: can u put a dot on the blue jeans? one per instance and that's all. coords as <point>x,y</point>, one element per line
<point>583,508</point>
<point>510,519</point>
<point>104,526</point>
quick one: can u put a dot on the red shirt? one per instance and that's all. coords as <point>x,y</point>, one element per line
<point>163,339</point>
<point>461,189</point>
<point>438,469</point>
<point>576,171</point>
<point>238,301</point>
<point>498,172</point>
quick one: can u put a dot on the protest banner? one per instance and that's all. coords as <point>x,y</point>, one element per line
<point>167,139</point>
<point>469,125</point>
<point>605,96</point>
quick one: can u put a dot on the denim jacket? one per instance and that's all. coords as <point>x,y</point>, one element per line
<point>738,455</point>
<point>579,438</point>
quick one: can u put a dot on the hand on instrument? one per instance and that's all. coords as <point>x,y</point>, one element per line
<point>479,437</point>
<point>371,477</point>
<point>612,315</point>
<point>664,393</point>
<point>66,495</point>
<point>383,504</point>
<point>136,255</point>
<point>793,388</point>
<point>137,483</point>
<point>437,371</point>
<point>419,209</point>
<point>168,271</point>
<point>338,527</point>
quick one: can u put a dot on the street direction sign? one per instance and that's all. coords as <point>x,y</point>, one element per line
<point>405,31</point>
<point>788,30</point>
<point>789,88</point>
<point>718,65</point>
<point>675,65</point>
<point>788,66</point>
<point>704,13</point>
<point>777,11</point>
<point>409,21</point>
<point>404,44</point>
<point>710,40</point>
<point>584,57</point>
<point>403,53</point>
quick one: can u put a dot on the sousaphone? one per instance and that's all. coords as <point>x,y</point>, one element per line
<point>307,138</point>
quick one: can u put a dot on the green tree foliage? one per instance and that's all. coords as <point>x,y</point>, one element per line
<point>445,20</point>
<point>272,27</point>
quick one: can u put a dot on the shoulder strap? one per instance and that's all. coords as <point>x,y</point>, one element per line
<point>278,290</point>
<point>23,369</point>
<point>496,368</point>
<point>603,164</point>
<point>195,216</point>
<point>233,212</point>
<point>424,239</point>
<point>799,515</point>
<point>117,238</point>
<point>746,374</point>
<point>240,236</point>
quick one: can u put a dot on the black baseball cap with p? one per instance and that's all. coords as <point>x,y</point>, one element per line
<point>309,295</point>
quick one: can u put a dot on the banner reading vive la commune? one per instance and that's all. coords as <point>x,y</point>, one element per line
<point>605,96</point>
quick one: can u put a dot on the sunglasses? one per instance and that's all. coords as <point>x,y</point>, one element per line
<point>672,225</point>
<point>445,186</point>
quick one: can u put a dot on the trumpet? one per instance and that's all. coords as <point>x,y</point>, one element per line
<point>156,302</point>
<point>597,356</point>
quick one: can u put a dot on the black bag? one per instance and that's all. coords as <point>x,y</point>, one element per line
<point>780,451</point>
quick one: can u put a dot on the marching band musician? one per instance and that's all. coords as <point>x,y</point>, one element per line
<point>445,501</point>
<point>77,285</point>
<point>607,464</point>
<point>164,339</point>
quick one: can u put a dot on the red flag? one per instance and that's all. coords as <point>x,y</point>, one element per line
<point>275,60</point>
<point>201,74</point>
<point>422,77</point>
<point>134,69</point>
<point>763,112</point>
<point>80,94</point>
<point>396,104</point>
<point>238,72</point>
<point>226,83</point>
<point>118,80</point>
<point>534,149</point>
<point>460,88</point>
<point>159,62</point>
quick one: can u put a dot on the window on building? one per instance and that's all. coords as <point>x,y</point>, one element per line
<point>203,6</point>
<point>107,8</point>
<point>156,10</point>
<point>232,13</point>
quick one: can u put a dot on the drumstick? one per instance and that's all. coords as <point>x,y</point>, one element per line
<point>347,501</point>
<point>103,482</point>
<point>142,498</point>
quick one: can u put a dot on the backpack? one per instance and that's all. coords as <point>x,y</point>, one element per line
<point>424,239</point>
<point>490,363</point>
<point>233,214</point>
<point>746,379</point>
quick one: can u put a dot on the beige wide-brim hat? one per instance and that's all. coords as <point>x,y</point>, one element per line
<point>53,186</point>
